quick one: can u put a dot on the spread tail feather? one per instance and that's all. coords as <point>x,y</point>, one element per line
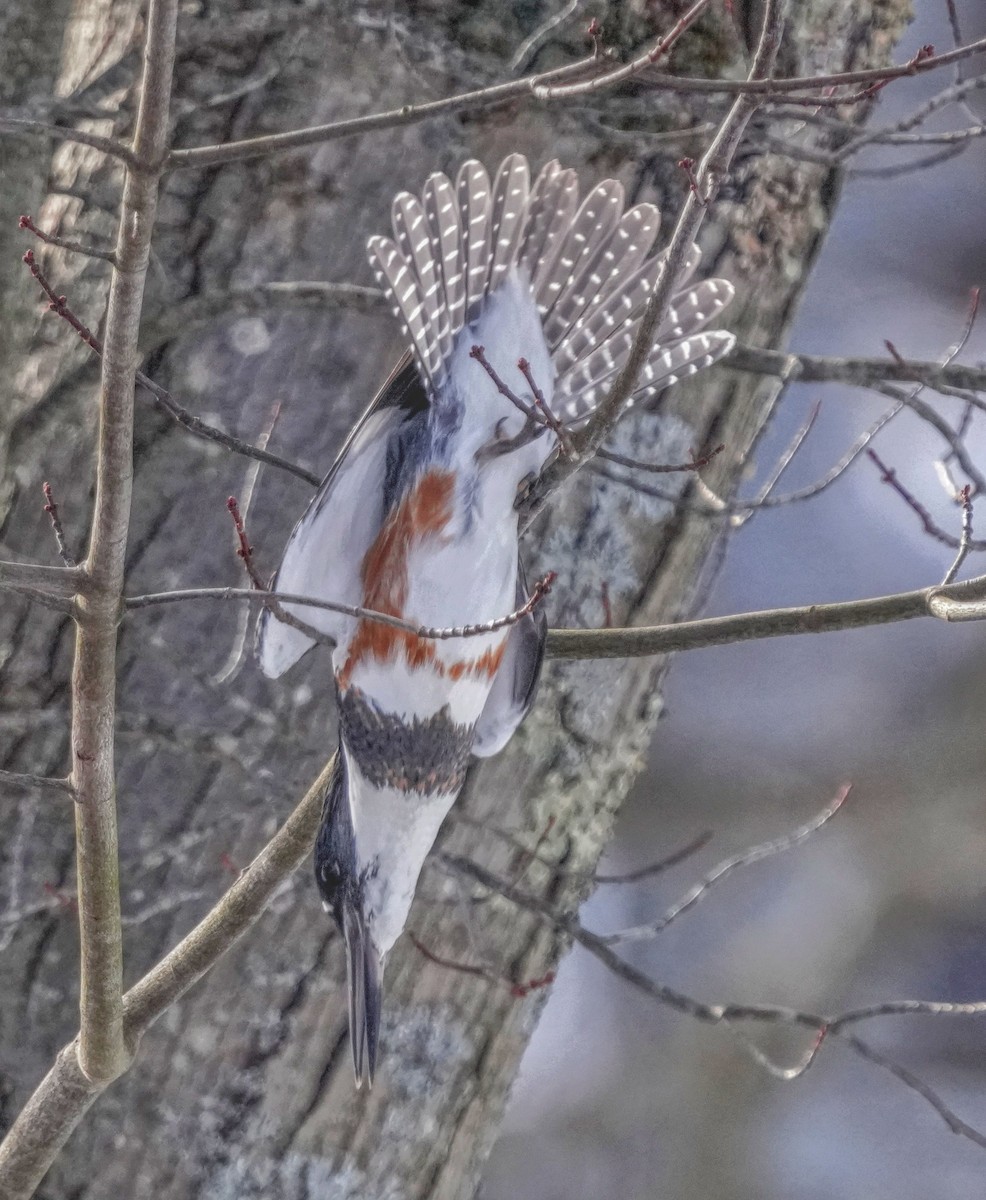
<point>590,267</point>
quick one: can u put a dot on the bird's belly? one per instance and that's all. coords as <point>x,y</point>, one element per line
<point>449,581</point>
<point>467,578</point>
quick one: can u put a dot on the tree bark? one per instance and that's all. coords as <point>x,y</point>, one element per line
<point>245,1088</point>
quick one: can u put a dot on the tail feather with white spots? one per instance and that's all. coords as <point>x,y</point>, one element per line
<point>590,267</point>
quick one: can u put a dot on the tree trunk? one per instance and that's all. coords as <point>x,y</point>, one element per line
<point>245,1089</point>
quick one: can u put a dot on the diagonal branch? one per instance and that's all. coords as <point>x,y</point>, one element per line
<point>711,173</point>
<point>65,1094</point>
<point>732,1015</point>
<point>63,134</point>
<point>546,87</point>
<point>407,114</point>
<point>197,427</point>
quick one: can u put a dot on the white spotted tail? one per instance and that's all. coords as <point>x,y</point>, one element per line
<point>590,268</point>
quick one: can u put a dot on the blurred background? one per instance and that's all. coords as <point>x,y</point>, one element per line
<point>619,1097</point>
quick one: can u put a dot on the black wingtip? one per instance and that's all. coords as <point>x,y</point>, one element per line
<point>363,977</point>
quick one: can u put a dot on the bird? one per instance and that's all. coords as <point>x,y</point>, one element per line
<point>417,517</point>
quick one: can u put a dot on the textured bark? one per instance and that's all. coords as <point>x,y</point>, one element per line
<point>245,1089</point>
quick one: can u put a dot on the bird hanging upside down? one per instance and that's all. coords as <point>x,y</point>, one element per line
<point>417,516</point>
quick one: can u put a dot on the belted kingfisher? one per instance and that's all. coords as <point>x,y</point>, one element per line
<point>417,516</point>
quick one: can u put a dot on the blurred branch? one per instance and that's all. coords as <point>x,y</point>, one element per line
<point>21,125</point>
<point>861,372</point>
<point>733,1016</point>
<point>745,859</point>
<point>40,783</point>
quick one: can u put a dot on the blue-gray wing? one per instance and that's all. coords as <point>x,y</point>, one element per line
<point>516,682</point>
<point>324,554</point>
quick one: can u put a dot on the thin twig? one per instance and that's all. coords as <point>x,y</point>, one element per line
<point>735,862</point>
<point>696,464</point>
<point>51,239</point>
<point>544,408</point>
<point>51,508</point>
<point>784,460</point>
<point>59,305</point>
<point>660,49</point>
<point>63,134</point>
<point>712,172</point>
<point>731,1015</point>
<point>889,476</point>
<point>518,990</point>
<point>658,868</point>
<point>237,650</point>
<point>966,541</point>
<point>529,410</point>
<point>540,591</point>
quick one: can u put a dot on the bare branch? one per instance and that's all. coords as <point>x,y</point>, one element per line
<point>657,868</point>
<point>931,417</point>
<point>51,239</point>
<point>407,114</point>
<point>64,1096</point>
<point>41,783</point>
<point>965,542</point>
<point>59,305</point>
<point>663,45</point>
<point>103,1053</point>
<point>889,476</point>
<point>696,464</point>
<point>752,855</point>
<point>769,89</point>
<point>712,172</point>
<point>256,596</point>
<point>51,508</point>
<point>61,133</point>
<point>731,1015</point>
<point>529,47</point>
<point>863,372</point>
<point>964,601</point>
